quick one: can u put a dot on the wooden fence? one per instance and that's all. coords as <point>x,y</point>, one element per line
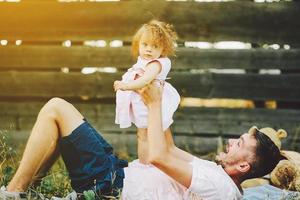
<point>31,73</point>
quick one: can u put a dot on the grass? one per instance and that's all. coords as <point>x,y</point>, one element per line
<point>8,159</point>
<point>55,183</point>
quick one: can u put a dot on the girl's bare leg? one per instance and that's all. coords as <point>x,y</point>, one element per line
<point>56,119</point>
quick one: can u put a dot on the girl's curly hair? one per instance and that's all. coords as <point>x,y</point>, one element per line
<point>161,34</point>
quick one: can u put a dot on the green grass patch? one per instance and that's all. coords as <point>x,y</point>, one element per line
<point>55,183</point>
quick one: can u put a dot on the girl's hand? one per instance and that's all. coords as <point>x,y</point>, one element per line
<point>119,85</point>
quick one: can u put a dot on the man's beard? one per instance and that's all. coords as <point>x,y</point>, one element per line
<point>220,159</point>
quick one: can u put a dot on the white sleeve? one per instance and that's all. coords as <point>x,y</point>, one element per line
<point>211,182</point>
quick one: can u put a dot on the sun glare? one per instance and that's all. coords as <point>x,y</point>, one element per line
<point>95,43</point>
<point>12,1</point>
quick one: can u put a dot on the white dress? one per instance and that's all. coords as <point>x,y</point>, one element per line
<point>129,105</point>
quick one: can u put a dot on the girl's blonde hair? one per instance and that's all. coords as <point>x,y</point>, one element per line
<point>162,34</point>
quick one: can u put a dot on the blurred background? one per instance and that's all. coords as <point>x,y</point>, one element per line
<point>237,65</point>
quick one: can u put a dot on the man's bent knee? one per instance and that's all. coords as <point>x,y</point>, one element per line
<point>65,114</point>
<point>56,103</point>
<point>52,107</point>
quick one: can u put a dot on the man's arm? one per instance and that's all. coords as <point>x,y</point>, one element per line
<point>179,153</point>
<point>151,71</point>
<point>159,154</point>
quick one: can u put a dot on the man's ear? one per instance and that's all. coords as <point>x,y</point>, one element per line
<point>243,166</point>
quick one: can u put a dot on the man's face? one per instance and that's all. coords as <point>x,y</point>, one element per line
<point>237,152</point>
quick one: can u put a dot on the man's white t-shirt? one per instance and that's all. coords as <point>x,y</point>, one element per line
<point>211,182</point>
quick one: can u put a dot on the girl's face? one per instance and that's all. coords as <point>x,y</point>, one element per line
<point>148,48</point>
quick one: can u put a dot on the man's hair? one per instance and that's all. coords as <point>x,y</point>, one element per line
<point>266,156</point>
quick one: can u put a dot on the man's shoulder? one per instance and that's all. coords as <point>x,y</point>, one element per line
<point>211,179</point>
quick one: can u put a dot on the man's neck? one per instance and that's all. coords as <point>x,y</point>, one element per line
<point>236,177</point>
<point>237,181</point>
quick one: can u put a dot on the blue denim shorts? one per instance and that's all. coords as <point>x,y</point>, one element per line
<point>91,162</point>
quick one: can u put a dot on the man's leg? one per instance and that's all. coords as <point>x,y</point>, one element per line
<point>56,119</point>
<point>142,145</point>
<point>42,172</point>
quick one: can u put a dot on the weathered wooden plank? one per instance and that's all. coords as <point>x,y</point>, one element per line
<point>56,57</point>
<point>245,21</point>
<point>77,57</point>
<point>252,59</point>
<point>99,85</point>
<point>49,84</point>
<point>244,86</point>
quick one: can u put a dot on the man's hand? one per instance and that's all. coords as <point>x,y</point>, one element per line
<point>119,85</point>
<point>152,93</point>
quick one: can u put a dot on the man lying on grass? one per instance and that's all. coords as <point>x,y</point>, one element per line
<point>173,173</point>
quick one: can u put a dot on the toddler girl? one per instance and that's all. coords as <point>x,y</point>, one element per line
<point>152,43</point>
